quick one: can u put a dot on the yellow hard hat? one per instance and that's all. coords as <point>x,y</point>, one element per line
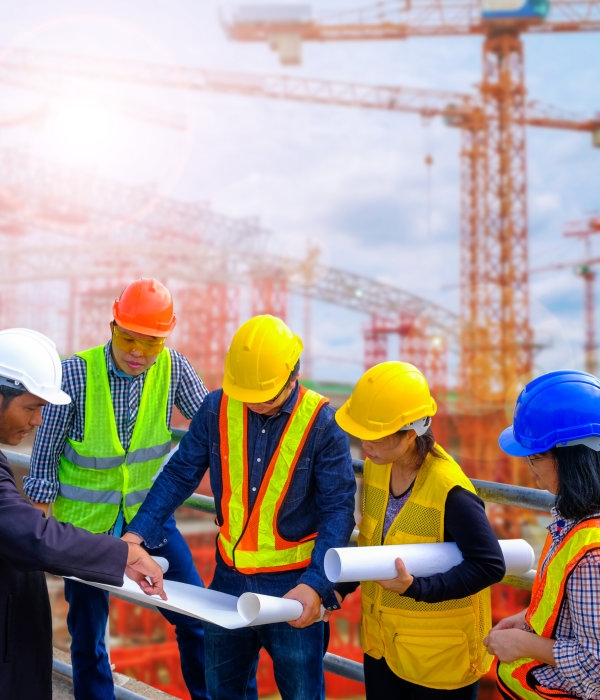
<point>260,359</point>
<point>388,397</point>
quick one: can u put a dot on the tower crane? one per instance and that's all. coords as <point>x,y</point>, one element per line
<point>584,268</point>
<point>497,345</point>
<point>496,348</point>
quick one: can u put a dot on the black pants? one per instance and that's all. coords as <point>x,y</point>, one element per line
<point>382,682</point>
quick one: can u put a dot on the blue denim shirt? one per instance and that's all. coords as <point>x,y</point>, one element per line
<point>320,497</point>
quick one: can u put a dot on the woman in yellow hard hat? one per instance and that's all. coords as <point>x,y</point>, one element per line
<point>422,636</point>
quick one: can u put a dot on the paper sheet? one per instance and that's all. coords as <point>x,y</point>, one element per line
<point>219,608</point>
<point>377,563</point>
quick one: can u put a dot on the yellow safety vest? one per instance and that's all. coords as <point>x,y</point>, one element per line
<point>249,540</point>
<point>97,475</point>
<point>437,645</point>
<point>516,679</point>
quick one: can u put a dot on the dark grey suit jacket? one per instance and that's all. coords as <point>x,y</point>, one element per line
<point>30,543</point>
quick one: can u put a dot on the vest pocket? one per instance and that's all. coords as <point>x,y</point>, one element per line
<point>366,530</point>
<point>437,659</point>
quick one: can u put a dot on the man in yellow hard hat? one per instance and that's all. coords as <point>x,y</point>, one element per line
<point>95,460</point>
<point>283,482</point>
<point>30,377</point>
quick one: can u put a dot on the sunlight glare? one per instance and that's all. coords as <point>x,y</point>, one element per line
<point>81,130</point>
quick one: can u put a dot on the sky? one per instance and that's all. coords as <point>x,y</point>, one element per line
<point>353,182</point>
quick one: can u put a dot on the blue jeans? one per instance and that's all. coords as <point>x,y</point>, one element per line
<point>231,659</point>
<point>88,614</point>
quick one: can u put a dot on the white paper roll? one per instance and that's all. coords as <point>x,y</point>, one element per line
<point>378,563</point>
<point>257,609</point>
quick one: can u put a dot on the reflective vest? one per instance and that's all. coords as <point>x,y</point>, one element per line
<point>516,680</point>
<point>249,540</point>
<point>437,645</point>
<point>97,475</point>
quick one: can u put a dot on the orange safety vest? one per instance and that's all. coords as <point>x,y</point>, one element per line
<point>248,538</point>
<point>516,680</point>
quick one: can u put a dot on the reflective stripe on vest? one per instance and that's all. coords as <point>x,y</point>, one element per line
<point>249,541</point>
<point>438,645</point>
<point>97,475</point>
<point>516,680</point>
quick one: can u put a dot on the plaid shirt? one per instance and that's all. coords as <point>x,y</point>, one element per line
<point>186,391</point>
<point>577,646</point>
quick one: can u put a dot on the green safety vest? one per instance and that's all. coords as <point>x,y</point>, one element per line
<point>97,475</point>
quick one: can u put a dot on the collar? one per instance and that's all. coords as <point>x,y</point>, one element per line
<point>290,402</point>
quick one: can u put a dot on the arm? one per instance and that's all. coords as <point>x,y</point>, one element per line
<point>483,564</point>
<point>177,481</point>
<point>335,486</point>
<point>41,485</point>
<point>577,657</point>
<point>31,542</point>
<point>190,391</point>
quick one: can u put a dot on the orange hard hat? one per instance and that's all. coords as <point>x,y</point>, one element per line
<point>145,306</point>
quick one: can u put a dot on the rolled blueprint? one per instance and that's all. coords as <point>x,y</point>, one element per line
<point>255,608</point>
<point>378,563</point>
<point>212,606</point>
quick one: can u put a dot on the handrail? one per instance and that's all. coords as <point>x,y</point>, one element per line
<point>489,491</point>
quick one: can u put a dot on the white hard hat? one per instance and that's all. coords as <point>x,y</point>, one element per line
<point>29,361</point>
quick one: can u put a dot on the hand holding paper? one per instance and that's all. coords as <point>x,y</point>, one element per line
<point>146,572</point>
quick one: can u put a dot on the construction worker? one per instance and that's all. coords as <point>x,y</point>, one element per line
<point>283,482</point>
<point>422,636</point>
<point>552,649</point>
<point>30,377</point>
<point>94,460</point>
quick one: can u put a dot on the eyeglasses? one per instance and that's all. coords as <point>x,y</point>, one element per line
<point>530,459</point>
<point>129,343</point>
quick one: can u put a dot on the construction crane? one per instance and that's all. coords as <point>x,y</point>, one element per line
<point>496,344</point>
<point>584,268</point>
<point>202,253</point>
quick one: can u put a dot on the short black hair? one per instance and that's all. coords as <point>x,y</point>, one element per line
<point>10,392</point>
<point>578,469</point>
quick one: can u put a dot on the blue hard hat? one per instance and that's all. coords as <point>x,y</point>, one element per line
<point>555,410</point>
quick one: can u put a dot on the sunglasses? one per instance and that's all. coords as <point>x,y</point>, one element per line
<point>128,343</point>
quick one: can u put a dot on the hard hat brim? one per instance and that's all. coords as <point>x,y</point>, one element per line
<point>508,443</point>
<point>350,426</point>
<point>55,396</point>
<point>239,393</point>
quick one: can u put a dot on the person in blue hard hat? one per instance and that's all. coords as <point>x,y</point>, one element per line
<point>552,649</point>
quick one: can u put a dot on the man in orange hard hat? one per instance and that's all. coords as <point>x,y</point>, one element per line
<point>95,458</point>
<point>282,478</point>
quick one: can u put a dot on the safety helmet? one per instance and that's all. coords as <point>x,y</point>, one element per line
<point>145,306</point>
<point>29,362</point>
<point>389,397</point>
<point>558,409</point>
<point>260,359</point>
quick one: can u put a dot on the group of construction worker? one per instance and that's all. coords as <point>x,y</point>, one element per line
<point>281,473</point>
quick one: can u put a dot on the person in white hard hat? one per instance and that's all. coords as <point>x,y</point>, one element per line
<point>30,543</point>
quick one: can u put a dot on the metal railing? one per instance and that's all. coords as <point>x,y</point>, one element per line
<point>489,491</point>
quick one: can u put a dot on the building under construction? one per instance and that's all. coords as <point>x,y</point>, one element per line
<point>72,239</point>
